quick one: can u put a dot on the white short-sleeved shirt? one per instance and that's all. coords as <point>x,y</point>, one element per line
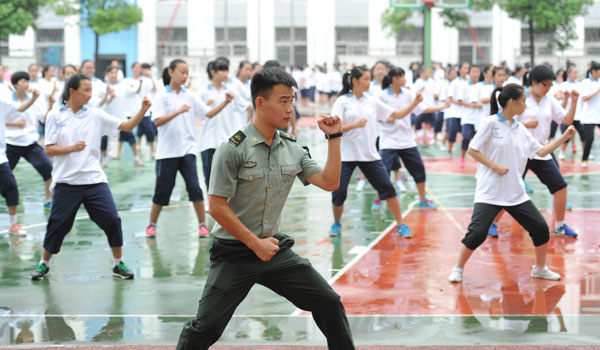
<point>430,89</point>
<point>177,137</point>
<point>514,80</point>
<point>132,100</point>
<point>548,110</point>
<point>399,135</point>
<point>471,114</point>
<point>485,91</point>
<point>591,106</point>
<point>358,145</point>
<point>118,105</point>
<point>65,128</point>
<point>442,87</point>
<point>5,90</point>
<point>507,145</point>
<point>375,88</point>
<point>98,91</point>
<point>456,90</point>
<point>7,111</point>
<point>244,99</point>
<point>27,135</point>
<point>219,128</point>
<point>45,88</point>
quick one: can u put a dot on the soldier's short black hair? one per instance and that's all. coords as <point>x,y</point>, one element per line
<point>264,81</point>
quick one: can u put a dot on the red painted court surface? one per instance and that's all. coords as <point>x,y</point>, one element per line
<point>451,166</point>
<point>409,276</point>
<point>285,347</point>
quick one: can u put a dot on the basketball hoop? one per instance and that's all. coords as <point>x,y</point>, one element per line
<point>429,3</point>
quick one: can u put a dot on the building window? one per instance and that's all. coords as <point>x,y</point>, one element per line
<point>49,46</point>
<point>290,45</point>
<point>475,45</point>
<point>231,41</point>
<point>410,42</point>
<point>3,47</point>
<point>541,42</point>
<point>171,43</point>
<point>351,41</point>
<point>592,41</point>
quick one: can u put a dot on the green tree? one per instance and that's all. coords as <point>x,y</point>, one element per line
<point>547,16</point>
<point>17,15</point>
<point>101,16</point>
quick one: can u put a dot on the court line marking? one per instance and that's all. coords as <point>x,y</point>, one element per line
<point>359,256</point>
<point>270,316</point>
<point>443,208</point>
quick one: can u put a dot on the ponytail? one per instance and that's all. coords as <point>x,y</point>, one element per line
<point>354,73</point>
<point>74,83</point>
<point>508,92</point>
<point>538,74</point>
<point>394,72</point>
<point>165,73</point>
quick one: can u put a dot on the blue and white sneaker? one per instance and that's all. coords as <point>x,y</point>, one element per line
<point>528,188</point>
<point>565,231</point>
<point>48,204</point>
<point>336,229</point>
<point>403,231</point>
<point>493,231</point>
<point>427,204</point>
<point>376,204</point>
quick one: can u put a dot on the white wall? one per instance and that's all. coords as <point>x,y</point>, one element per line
<point>147,32</point>
<point>320,31</point>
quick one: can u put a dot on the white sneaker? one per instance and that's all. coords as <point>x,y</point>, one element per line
<point>104,162</point>
<point>544,273</point>
<point>400,186</point>
<point>591,157</point>
<point>561,155</point>
<point>443,147</point>
<point>138,162</point>
<point>584,164</point>
<point>456,275</point>
<point>360,185</point>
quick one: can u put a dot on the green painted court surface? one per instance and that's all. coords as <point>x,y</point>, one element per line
<point>81,304</point>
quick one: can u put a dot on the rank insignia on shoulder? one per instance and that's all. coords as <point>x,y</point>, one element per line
<point>238,137</point>
<point>249,164</point>
<point>285,135</point>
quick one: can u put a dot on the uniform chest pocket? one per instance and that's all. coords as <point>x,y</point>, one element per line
<point>288,174</point>
<point>251,181</point>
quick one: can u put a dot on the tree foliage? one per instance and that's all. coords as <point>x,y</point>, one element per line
<point>17,15</point>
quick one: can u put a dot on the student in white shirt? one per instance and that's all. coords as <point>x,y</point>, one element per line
<point>218,128</point>
<point>99,90</point>
<point>241,83</point>
<point>150,88</point>
<point>322,86</point>
<point>397,137</point>
<point>591,99</point>
<point>517,76</point>
<point>454,113</point>
<point>486,86</point>
<point>502,148</point>
<point>175,112</point>
<point>451,75</point>
<point>569,84</point>
<point>5,87</point>
<point>378,72</point>
<point>472,107</point>
<point>22,135</point>
<point>360,112</point>
<point>428,88</point>
<point>8,184</point>
<point>47,87</point>
<point>73,136</point>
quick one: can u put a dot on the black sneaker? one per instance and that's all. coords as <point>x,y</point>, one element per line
<point>122,271</point>
<point>41,271</point>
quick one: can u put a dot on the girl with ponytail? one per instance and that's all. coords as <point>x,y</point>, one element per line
<point>502,147</point>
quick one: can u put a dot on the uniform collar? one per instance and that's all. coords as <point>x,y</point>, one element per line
<point>349,94</point>
<point>223,85</point>
<point>502,119</point>
<point>570,81</point>
<point>63,107</point>
<point>169,89</point>
<point>16,99</point>
<point>374,83</point>
<point>389,91</point>
<point>256,138</point>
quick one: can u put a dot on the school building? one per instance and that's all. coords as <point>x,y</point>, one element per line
<point>295,32</point>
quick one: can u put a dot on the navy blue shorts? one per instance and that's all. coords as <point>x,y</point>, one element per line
<point>438,123</point>
<point>166,172</point>
<point>468,131</point>
<point>453,126</point>
<point>104,143</point>
<point>411,159</point>
<point>8,186</point>
<point>578,126</point>
<point>373,171</point>
<point>207,158</point>
<point>98,202</point>
<point>127,136</point>
<point>395,161</point>
<point>34,154</point>
<point>147,128</point>
<point>426,118</point>
<point>548,173</point>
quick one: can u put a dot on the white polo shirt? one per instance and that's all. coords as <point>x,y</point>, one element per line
<point>7,110</point>
<point>548,110</point>
<point>27,135</point>
<point>429,87</point>
<point>132,100</point>
<point>472,93</point>
<point>591,106</point>
<point>375,88</point>
<point>456,90</point>
<point>177,137</point>
<point>65,128</point>
<point>507,145</point>
<point>485,91</point>
<point>243,94</point>
<point>399,135</point>
<point>98,91</point>
<point>358,145</point>
<point>119,105</point>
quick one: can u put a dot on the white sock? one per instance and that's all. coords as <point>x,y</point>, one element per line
<point>45,262</point>
<point>558,224</point>
<point>201,223</point>
<point>117,261</point>
<point>12,219</point>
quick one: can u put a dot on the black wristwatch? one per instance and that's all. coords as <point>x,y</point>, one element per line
<point>333,136</point>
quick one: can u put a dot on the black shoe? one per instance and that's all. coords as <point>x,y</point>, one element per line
<point>122,271</point>
<point>41,271</point>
